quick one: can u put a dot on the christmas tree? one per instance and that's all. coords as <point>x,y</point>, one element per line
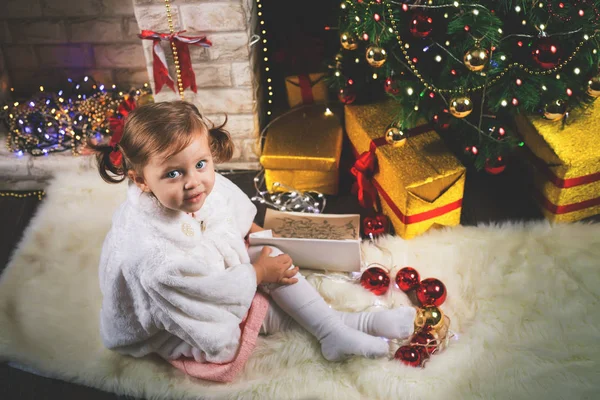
<point>468,67</point>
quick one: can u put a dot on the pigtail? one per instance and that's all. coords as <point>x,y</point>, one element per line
<point>221,145</point>
<point>109,172</point>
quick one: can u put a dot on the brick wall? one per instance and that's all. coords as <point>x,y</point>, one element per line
<point>226,73</point>
<point>46,41</point>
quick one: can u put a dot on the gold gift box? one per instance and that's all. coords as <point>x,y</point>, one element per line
<point>306,89</point>
<point>566,164</point>
<point>420,184</point>
<point>302,150</point>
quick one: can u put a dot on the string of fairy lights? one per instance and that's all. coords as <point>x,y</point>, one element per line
<point>263,32</point>
<point>50,122</point>
<point>349,43</point>
<point>550,61</point>
<point>492,81</point>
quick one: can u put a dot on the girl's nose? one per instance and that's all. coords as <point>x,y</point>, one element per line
<point>193,181</point>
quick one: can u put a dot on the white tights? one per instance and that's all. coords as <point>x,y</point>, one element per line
<point>341,334</point>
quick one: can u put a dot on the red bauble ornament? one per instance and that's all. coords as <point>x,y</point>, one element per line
<point>426,339</point>
<point>431,292</point>
<point>376,280</point>
<point>546,52</point>
<point>409,355</point>
<point>391,86</point>
<point>375,226</point>
<point>420,25</point>
<point>407,279</point>
<point>495,167</point>
<point>347,95</point>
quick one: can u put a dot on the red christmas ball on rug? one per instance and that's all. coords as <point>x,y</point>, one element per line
<point>431,292</point>
<point>376,280</point>
<point>426,339</point>
<point>407,279</point>
<point>375,226</point>
<point>409,355</point>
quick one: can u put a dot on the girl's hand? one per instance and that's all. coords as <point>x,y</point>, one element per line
<point>274,269</point>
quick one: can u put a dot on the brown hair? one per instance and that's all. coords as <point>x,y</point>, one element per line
<point>160,128</point>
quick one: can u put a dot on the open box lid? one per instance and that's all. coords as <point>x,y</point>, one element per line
<point>317,241</point>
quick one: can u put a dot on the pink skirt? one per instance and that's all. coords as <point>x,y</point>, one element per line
<point>227,372</point>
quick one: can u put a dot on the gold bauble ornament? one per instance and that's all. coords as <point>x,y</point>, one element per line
<point>555,111</point>
<point>348,41</point>
<point>395,136</point>
<point>376,56</point>
<point>460,107</point>
<point>594,87</point>
<point>429,316</point>
<point>476,59</point>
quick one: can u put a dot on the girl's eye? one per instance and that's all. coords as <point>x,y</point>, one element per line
<point>201,164</point>
<point>172,174</point>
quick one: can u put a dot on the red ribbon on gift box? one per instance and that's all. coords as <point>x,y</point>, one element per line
<point>366,187</point>
<point>159,61</point>
<point>306,89</point>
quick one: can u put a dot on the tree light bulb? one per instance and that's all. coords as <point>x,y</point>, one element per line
<point>410,91</point>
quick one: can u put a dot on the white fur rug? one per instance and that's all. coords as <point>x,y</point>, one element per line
<point>523,299</point>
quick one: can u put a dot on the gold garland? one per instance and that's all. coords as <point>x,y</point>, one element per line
<point>480,87</point>
<point>20,195</point>
<point>174,49</point>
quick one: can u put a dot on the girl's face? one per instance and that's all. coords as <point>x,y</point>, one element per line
<point>183,181</point>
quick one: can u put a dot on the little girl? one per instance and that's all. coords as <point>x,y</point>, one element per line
<point>176,276</point>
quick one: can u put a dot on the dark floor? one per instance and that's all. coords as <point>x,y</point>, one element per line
<point>486,199</point>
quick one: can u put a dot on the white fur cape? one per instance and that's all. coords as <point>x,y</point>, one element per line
<point>523,299</point>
